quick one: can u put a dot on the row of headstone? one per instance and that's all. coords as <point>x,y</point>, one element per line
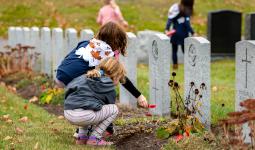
<point>224,30</point>
<point>142,54</point>
<point>53,45</point>
<point>196,64</point>
<point>157,46</point>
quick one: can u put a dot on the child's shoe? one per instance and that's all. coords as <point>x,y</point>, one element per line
<point>109,131</point>
<point>97,142</point>
<point>81,140</point>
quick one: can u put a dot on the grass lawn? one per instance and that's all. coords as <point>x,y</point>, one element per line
<point>222,85</point>
<point>141,14</point>
<point>42,131</point>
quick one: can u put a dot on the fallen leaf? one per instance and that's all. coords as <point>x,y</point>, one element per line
<point>7,138</point>
<point>61,117</point>
<point>214,89</point>
<point>2,84</point>
<point>6,117</point>
<point>9,121</point>
<point>33,99</point>
<point>19,130</point>
<point>36,145</point>
<point>26,106</point>
<point>51,122</point>
<point>23,119</point>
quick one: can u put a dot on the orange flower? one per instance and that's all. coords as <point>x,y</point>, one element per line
<point>107,53</point>
<point>92,45</point>
<point>96,55</point>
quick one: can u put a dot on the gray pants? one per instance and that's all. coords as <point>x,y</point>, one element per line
<point>102,118</point>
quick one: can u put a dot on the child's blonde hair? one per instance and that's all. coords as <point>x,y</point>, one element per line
<point>112,68</point>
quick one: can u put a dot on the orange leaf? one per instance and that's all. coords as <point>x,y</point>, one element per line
<point>96,55</point>
<point>26,107</point>
<point>19,130</point>
<point>23,119</point>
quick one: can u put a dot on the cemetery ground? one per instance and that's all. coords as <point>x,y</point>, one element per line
<point>28,126</point>
<point>62,13</point>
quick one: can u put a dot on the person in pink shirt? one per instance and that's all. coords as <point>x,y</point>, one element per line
<point>110,12</point>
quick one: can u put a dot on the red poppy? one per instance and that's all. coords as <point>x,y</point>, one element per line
<point>178,138</point>
<point>152,106</point>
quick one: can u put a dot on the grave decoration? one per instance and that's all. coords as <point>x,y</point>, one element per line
<point>186,121</point>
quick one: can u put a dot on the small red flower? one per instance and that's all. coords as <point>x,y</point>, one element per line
<point>178,138</point>
<point>152,106</point>
<point>43,87</point>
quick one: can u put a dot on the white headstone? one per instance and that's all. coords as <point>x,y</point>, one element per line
<point>19,35</point>
<point>245,73</point>
<point>57,48</point>
<point>46,51</point>
<point>12,36</point>
<point>26,32</point>
<point>35,42</point>
<point>130,62</point>
<point>86,35</point>
<point>71,40</point>
<point>143,46</point>
<point>197,69</point>
<point>159,70</point>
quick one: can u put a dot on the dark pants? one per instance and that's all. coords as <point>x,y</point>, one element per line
<point>174,53</point>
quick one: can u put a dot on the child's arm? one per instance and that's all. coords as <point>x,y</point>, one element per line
<point>135,92</point>
<point>168,24</point>
<point>188,25</point>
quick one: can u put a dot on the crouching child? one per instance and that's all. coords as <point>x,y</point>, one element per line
<point>90,100</point>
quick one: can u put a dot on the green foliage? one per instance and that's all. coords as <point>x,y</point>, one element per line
<point>162,133</point>
<point>52,96</point>
<point>141,14</point>
<point>23,83</point>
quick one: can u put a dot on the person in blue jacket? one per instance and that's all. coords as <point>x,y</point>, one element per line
<point>179,16</point>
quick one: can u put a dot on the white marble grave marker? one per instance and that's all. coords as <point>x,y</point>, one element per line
<point>197,61</point>
<point>130,62</point>
<point>159,70</point>
<point>245,73</point>
<point>57,48</point>
<point>19,35</point>
<point>71,40</point>
<point>12,36</point>
<point>86,35</point>
<point>35,42</point>
<point>26,35</point>
<point>46,51</point>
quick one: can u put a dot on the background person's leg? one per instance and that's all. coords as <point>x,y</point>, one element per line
<point>174,56</point>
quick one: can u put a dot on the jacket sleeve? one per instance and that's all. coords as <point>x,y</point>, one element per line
<point>131,88</point>
<point>188,25</point>
<point>168,24</point>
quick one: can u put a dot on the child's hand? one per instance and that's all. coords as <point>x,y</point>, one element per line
<point>142,101</point>
<point>93,74</point>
